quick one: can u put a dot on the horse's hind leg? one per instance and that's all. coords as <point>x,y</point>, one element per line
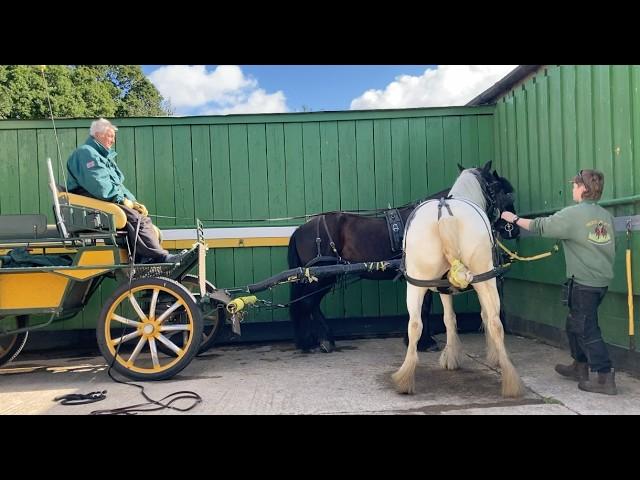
<point>323,331</point>
<point>451,356</point>
<point>404,378</point>
<point>490,303</point>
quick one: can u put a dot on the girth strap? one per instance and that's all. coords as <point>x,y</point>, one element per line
<point>395,226</point>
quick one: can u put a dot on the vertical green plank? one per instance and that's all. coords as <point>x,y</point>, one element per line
<point>511,171</point>
<point>277,185</point>
<point>622,144</point>
<point>126,159</point>
<point>221,176</point>
<point>486,140</point>
<point>469,141</point>
<point>46,149</point>
<point>602,124</point>
<point>27,166</point>
<point>523,177</point>
<point>259,185</point>
<point>569,128</point>
<point>366,200</point>
<point>349,201</point>
<point>391,302</point>
<point>240,199</point>
<point>9,187</point>
<point>504,138</point>
<point>183,175</point>
<point>635,110</point>
<point>400,158</point>
<point>435,155</point>
<point>542,104</point>
<point>534,152</point>
<point>145,181</point>
<point>165,182</point>
<point>312,167</point>
<point>332,304</point>
<point>386,173</point>
<point>202,181</point>
<point>497,138</point>
<point>452,148</point>
<point>295,169</point>
<point>558,183</point>
<point>584,117</point>
<point>418,187</point>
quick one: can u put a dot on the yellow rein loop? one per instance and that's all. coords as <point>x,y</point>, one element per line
<point>514,255</point>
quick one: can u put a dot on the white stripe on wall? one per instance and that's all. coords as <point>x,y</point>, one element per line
<point>238,232</point>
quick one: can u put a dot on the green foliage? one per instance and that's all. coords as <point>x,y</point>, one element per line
<point>78,91</point>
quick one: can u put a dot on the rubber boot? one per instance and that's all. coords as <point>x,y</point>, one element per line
<point>600,383</point>
<point>577,371</point>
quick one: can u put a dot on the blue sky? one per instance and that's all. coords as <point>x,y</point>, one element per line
<point>228,89</point>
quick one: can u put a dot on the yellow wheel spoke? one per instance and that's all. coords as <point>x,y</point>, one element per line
<point>136,307</point>
<point>154,353</point>
<point>154,300</point>
<point>126,338</point>
<point>126,321</point>
<point>137,350</point>
<point>169,311</point>
<point>170,344</point>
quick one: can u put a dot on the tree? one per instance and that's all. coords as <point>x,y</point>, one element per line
<point>78,91</point>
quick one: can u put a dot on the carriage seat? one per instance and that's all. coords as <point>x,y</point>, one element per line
<point>119,217</point>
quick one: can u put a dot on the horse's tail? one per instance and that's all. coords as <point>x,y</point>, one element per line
<point>300,317</point>
<point>292,255</point>
<point>459,274</point>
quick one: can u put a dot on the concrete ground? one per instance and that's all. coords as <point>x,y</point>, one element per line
<point>276,379</point>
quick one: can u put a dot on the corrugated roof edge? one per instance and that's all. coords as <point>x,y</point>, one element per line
<point>490,95</point>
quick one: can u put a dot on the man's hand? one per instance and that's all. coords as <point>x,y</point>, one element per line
<point>508,216</point>
<point>140,208</point>
<point>128,203</point>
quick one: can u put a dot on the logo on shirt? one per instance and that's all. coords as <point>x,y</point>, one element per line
<point>600,233</point>
<point>91,164</point>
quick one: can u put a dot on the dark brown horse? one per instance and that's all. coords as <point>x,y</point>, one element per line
<point>342,237</point>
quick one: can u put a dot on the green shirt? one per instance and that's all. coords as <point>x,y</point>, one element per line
<point>93,167</point>
<point>587,235</point>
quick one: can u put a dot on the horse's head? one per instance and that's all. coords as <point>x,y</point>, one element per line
<point>499,195</point>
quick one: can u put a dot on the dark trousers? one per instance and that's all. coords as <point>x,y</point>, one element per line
<point>146,244</point>
<point>585,338</point>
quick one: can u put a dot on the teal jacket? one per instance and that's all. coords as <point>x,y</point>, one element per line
<point>93,167</point>
<point>587,234</point>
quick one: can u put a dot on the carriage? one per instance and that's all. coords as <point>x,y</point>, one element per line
<point>159,316</point>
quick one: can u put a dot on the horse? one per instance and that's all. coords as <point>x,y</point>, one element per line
<point>454,235</point>
<point>341,237</point>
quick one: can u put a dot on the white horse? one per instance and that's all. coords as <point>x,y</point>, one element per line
<point>457,239</point>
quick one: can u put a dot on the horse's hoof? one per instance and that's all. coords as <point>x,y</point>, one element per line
<point>429,347</point>
<point>326,347</point>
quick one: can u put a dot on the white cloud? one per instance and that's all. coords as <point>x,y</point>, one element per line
<point>193,90</point>
<point>446,85</point>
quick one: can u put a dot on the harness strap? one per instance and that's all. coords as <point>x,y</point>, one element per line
<point>323,258</point>
<point>483,277</point>
<point>443,203</point>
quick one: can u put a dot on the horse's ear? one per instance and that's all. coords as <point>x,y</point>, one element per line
<point>461,168</point>
<point>487,167</point>
<point>495,175</point>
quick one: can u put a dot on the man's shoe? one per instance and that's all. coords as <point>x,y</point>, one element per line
<point>600,383</point>
<point>173,258</point>
<point>577,370</point>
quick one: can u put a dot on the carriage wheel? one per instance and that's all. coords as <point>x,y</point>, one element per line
<point>138,318</point>
<point>12,345</point>
<point>213,320</point>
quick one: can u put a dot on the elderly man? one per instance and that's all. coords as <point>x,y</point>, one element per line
<point>92,171</point>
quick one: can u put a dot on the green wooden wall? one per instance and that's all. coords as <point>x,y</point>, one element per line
<point>563,119</point>
<point>262,166</point>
